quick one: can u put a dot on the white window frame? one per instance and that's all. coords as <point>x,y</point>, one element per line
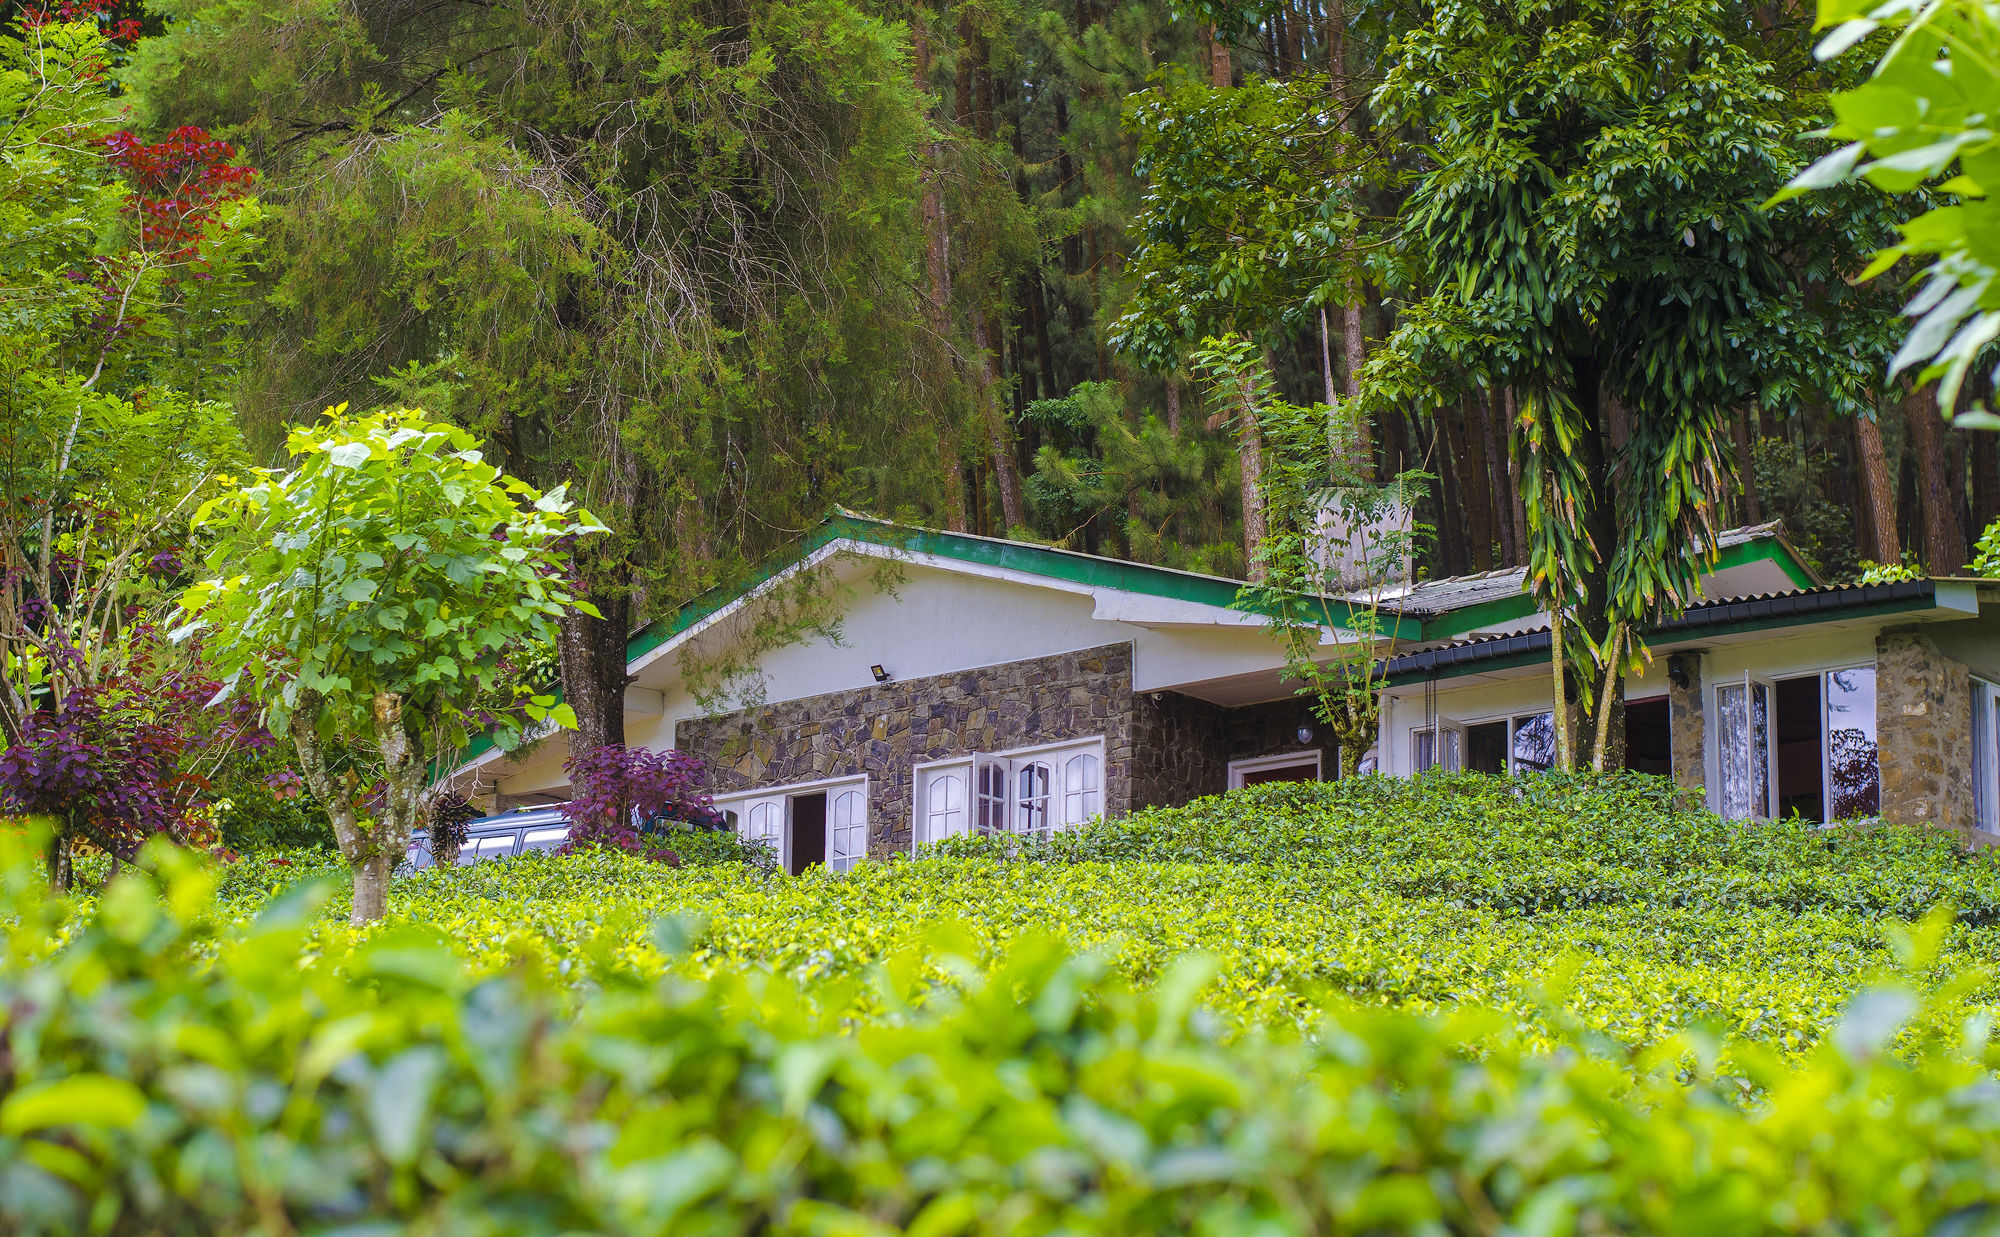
<point>1009,766</point>
<point>1712,757</point>
<point>1255,764</point>
<point>1826,733</point>
<point>922,777</point>
<point>1449,756</point>
<point>743,802</point>
<point>1985,753</point>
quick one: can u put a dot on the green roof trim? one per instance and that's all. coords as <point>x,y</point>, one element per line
<point>1514,661</point>
<point>1030,559</point>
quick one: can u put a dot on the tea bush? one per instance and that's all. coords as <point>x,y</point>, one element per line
<point>1604,907</point>
<point>167,1071</point>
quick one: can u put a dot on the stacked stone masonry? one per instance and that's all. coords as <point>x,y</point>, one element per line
<point>1161,748</point>
<point>1923,720</point>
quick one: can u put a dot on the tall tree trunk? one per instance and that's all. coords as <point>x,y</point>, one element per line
<point>1174,405</point>
<point>937,298</point>
<point>1479,485</point>
<point>591,653</point>
<point>1487,412</point>
<point>954,485</point>
<point>1877,493</point>
<point>1944,540</point>
<point>1984,462</point>
<point>1220,73</point>
<point>1518,506</point>
<point>1739,425</point>
<point>1599,518</point>
<point>1451,494</point>
<point>1250,453</point>
<point>1005,475</point>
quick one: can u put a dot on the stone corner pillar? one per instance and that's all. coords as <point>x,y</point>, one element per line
<point>1923,723</point>
<point>1687,724</point>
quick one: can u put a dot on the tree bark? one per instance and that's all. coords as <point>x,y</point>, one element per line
<point>371,888</point>
<point>1221,75</point>
<point>1452,549</point>
<point>358,844</point>
<point>1944,540</point>
<point>937,299</point>
<point>1479,491</point>
<point>1173,405</point>
<point>1006,477</point>
<point>1739,428</point>
<point>1877,493</point>
<point>62,871</point>
<point>1518,507</point>
<point>1250,454</point>
<point>1984,462</point>
<point>591,653</point>
<point>1501,492</point>
<point>1599,517</point>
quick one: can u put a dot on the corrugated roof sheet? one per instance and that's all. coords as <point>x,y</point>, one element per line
<point>1449,593</point>
<point>1719,613</point>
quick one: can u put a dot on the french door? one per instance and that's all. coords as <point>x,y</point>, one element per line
<point>768,818</point>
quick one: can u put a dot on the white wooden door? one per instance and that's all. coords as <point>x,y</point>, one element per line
<point>1082,788</point>
<point>945,812</point>
<point>764,821</point>
<point>846,828</point>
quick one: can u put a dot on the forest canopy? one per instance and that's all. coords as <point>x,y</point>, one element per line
<point>720,266</point>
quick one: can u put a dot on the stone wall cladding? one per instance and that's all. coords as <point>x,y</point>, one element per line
<point>1160,748</point>
<point>1686,724</point>
<point>885,731</point>
<point>1923,719</point>
<point>1178,749</point>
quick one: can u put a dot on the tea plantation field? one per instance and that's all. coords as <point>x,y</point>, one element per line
<point>1442,1007</point>
<point>1610,909</point>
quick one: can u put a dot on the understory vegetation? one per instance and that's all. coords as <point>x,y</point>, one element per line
<point>1454,1004</point>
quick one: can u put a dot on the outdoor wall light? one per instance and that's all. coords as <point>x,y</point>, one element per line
<point>1304,734</point>
<point>881,675</point>
<point>1678,677</point>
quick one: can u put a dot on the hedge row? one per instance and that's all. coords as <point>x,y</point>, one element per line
<point>166,1071</point>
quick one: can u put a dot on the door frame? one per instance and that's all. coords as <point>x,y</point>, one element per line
<point>852,781</point>
<point>1254,764</point>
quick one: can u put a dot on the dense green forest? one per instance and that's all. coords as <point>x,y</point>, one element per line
<point>721,265</point>
<point>1088,272</point>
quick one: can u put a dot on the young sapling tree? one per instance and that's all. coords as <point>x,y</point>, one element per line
<point>370,598</point>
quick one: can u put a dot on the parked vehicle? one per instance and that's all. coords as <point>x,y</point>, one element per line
<point>499,836</point>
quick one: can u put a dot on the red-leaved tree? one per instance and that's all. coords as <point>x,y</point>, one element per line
<point>618,795</point>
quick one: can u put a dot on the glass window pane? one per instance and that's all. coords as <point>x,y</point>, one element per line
<point>992,806</point>
<point>1534,747</point>
<point>1986,756</point>
<point>944,806</point>
<point>1760,749</point>
<point>1424,755</point>
<point>849,823</point>
<point>1079,788</point>
<point>1732,750</point>
<point>1033,800</point>
<point>1853,772</point>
